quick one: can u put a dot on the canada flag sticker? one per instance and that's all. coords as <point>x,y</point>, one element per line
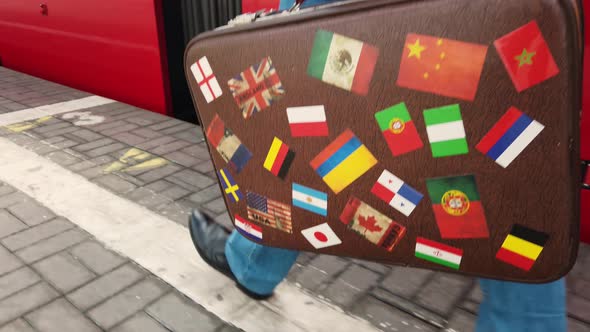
<point>321,236</point>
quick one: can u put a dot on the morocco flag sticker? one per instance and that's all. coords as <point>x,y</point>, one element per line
<point>457,207</point>
<point>321,236</point>
<point>343,62</point>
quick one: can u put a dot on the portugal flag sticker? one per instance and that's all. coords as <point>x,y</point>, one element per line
<point>321,236</point>
<point>526,56</point>
<point>398,129</point>
<point>457,207</point>
<point>343,62</point>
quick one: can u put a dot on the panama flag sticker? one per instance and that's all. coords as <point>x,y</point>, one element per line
<point>321,236</point>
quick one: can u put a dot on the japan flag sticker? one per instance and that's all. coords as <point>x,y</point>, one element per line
<point>321,236</point>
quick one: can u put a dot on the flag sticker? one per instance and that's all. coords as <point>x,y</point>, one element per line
<point>457,207</point>
<point>310,199</point>
<point>230,187</point>
<point>279,158</point>
<point>343,161</point>
<point>228,145</point>
<point>256,88</point>
<point>371,224</point>
<point>395,192</point>
<point>206,80</point>
<point>248,229</point>
<point>398,129</point>
<point>268,212</point>
<point>343,62</point>
<point>444,126</point>
<point>509,137</point>
<point>526,56</point>
<point>442,66</point>
<point>321,236</point>
<point>522,247</point>
<point>438,253</point>
<point>307,121</point>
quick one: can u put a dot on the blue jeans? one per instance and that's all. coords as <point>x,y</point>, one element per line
<point>506,307</point>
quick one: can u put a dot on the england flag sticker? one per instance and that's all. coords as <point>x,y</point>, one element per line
<point>321,236</point>
<point>206,80</point>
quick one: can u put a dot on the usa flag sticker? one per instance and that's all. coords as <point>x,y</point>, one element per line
<point>248,229</point>
<point>321,236</point>
<point>206,80</point>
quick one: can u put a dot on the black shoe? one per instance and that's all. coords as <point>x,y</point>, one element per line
<point>209,239</point>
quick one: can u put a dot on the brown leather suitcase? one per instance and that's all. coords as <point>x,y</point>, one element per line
<point>437,134</point>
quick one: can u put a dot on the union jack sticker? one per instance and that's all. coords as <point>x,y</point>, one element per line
<point>256,88</point>
<point>206,80</point>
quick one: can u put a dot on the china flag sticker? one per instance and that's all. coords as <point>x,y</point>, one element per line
<point>442,66</point>
<point>526,56</point>
<point>321,236</point>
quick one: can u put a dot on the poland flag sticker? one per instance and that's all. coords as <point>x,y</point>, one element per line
<point>321,236</point>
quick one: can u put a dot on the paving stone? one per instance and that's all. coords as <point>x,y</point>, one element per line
<point>51,245</point>
<point>193,135</point>
<point>18,325</point>
<point>5,189</point>
<point>405,281</point>
<point>105,150</point>
<point>330,265</point>
<point>93,172</point>
<point>204,167</point>
<point>182,158</point>
<point>17,280</point>
<point>105,286</point>
<point>308,277</point>
<point>8,261</point>
<point>36,233</point>
<point>65,144</point>
<point>96,257</point>
<point>409,306</point>
<point>120,129</point>
<point>158,173</point>
<point>177,128</point>
<point>581,288</point>
<point>12,199</point>
<point>228,328</point>
<point>476,295</point>
<point>115,183</point>
<point>140,121</point>
<point>578,307</point>
<point>127,303</point>
<point>573,325</point>
<point>9,224</point>
<point>63,158</point>
<point>16,305</point>
<point>175,192</point>
<point>147,133</point>
<point>153,143</point>
<point>168,148</point>
<point>389,318</point>
<point>442,292</point>
<point>159,186</point>
<point>129,138</point>
<point>199,151</point>
<point>147,197</point>
<point>52,127</point>
<point>359,277</point>
<point>225,220</point>
<point>87,135</point>
<point>206,195</point>
<point>93,145</point>
<point>461,321</point>
<point>373,266</point>
<point>60,316</point>
<point>81,166</point>
<point>341,293</point>
<point>165,124</point>
<point>63,271</point>
<point>470,306</point>
<point>41,148</point>
<point>175,211</point>
<point>181,315</point>
<point>191,180</point>
<point>109,123</point>
<point>31,213</point>
<point>61,131</point>
<point>140,323</point>
<point>216,206</point>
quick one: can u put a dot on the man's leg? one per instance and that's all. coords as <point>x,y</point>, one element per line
<point>514,307</point>
<point>258,268</point>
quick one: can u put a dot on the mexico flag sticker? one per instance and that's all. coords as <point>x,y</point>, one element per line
<point>438,253</point>
<point>343,62</point>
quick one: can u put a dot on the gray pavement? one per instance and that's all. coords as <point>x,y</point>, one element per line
<point>163,164</point>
